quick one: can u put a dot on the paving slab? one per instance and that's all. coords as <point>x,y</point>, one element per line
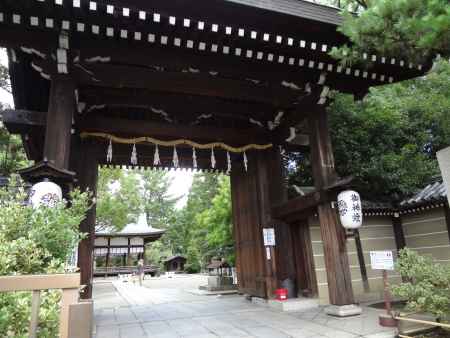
<point>165,309</point>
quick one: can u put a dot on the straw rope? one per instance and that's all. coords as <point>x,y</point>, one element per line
<point>178,142</point>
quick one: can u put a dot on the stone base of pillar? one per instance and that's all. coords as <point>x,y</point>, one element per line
<point>343,310</point>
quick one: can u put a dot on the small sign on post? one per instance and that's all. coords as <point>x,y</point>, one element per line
<point>384,260</point>
<point>269,236</point>
<point>269,240</point>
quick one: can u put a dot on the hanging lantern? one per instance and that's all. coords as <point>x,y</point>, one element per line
<point>45,194</point>
<point>350,209</point>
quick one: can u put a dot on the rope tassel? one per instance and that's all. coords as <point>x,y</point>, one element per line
<point>213,159</point>
<point>245,161</point>
<point>134,159</point>
<point>175,158</point>
<point>194,158</point>
<point>156,160</point>
<point>228,163</point>
<point>109,152</point>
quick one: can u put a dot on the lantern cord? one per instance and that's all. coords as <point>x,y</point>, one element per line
<point>117,139</point>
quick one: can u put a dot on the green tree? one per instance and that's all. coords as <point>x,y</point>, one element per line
<point>12,155</point>
<point>185,236</point>
<point>118,198</point>
<point>413,30</point>
<point>388,140</point>
<point>217,221</point>
<point>425,286</point>
<point>35,241</point>
<point>157,204</point>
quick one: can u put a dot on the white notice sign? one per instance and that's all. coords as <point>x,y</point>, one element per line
<point>269,236</point>
<point>382,260</point>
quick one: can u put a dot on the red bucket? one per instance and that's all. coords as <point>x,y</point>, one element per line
<point>281,294</point>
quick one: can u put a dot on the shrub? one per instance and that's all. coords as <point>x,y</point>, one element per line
<point>425,286</point>
<point>35,241</point>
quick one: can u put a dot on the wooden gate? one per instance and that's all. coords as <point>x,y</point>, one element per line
<point>247,231</point>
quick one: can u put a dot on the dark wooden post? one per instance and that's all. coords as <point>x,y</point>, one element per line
<point>253,193</point>
<point>87,174</point>
<point>59,121</point>
<point>361,261</point>
<point>399,236</point>
<point>304,259</point>
<point>107,257</point>
<point>284,251</point>
<point>333,234</point>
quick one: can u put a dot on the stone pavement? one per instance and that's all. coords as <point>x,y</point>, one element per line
<point>130,311</point>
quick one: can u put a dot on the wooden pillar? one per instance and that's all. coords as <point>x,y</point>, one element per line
<point>143,256</point>
<point>304,259</point>
<point>107,257</point>
<point>59,121</point>
<point>251,204</point>
<point>129,253</point>
<point>284,250</point>
<point>399,236</point>
<point>333,234</point>
<point>87,174</point>
<point>253,194</point>
<point>361,261</point>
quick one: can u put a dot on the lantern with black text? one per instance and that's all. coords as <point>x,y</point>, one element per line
<point>350,209</point>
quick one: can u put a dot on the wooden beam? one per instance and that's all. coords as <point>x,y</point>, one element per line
<point>180,107</point>
<point>333,234</point>
<point>118,76</point>
<point>59,121</point>
<point>19,121</point>
<point>299,208</point>
<point>23,120</point>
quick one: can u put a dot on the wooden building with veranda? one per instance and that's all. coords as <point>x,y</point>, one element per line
<point>221,85</point>
<point>118,252</point>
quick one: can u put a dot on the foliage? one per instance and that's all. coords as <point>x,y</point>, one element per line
<point>12,155</point>
<point>4,79</point>
<point>413,30</point>
<point>388,140</point>
<point>35,241</point>
<point>157,252</point>
<point>118,200</point>
<point>202,228</point>
<point>217,222</point>
<point>426,285</point>
<point>157,204</point>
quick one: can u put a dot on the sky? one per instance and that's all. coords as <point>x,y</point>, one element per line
<point>181,180</point>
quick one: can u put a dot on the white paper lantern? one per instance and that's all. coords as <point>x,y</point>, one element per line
<point>350,209</point>
<point>45,194</point>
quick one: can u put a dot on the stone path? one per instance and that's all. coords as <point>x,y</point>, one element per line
<point>130,311</point>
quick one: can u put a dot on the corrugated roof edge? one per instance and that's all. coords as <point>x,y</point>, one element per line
<point>330,14</point>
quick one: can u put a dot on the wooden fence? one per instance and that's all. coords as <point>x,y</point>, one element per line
<point>68,283</point>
